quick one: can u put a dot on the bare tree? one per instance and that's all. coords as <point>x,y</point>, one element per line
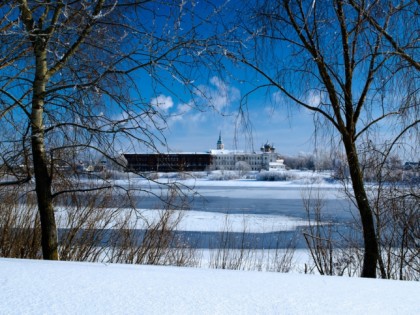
<point>345,61</point>
<point>72,75</point>
<point>402,37</point>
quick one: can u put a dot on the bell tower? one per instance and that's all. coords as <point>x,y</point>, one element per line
<point>220,145</point>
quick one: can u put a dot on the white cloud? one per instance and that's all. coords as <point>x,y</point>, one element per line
<point>183,110</point>
<point>185,107</point>
<point>162,102</point>
<point>313,98</point>
<point>186,116</point>
<point>218,94</point>
<point>278,98</point>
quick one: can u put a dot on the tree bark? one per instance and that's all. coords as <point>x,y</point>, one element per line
<point>43,188</point>
<point>370,242</point>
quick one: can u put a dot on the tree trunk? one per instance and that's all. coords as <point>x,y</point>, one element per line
<point>42,177</point>
<point>370,242</point>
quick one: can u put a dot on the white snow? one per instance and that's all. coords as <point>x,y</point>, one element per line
<point>45,287</point>
<point>202,221</point>
<point>218,222</point>
<point>207,221</point>
<point>198,179</point>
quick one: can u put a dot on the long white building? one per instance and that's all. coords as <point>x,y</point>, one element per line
<point>266,159</point>
<point>218,159</point>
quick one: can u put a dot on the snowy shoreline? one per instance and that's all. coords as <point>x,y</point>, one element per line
<point>45,287</point>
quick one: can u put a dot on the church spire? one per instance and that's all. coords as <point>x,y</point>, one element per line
<point>220,145</point>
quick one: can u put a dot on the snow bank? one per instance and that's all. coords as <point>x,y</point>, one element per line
<point>45,287</point>
<point>218,222</point>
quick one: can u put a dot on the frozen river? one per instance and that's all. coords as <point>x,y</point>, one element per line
<point>265,211</point>
<point>261,198</point>
<point>269,201</point>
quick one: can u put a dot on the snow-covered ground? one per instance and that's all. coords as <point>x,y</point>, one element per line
<point>201,221</point>
<point>45,287</point>
<point>218,222</point>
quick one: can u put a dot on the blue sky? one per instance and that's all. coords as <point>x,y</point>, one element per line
<point>195,119</point>
<point>195,114</point>
<point>192,130</point>
<point>205,101</point>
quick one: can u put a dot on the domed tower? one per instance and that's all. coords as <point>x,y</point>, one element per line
<point>268,148</point>
<point>220,145</point>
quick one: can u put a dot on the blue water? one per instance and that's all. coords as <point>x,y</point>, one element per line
<point>339,218</point>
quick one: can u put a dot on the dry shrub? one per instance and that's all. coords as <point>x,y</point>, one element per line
<point>157,244</point>
<point>85,221</point>
<point>397,210</point>
<point>90,230</point>
<point>242,251</point>
<point>397,214</point>
<point>96,232</point>
<point>20,233</point>
<point>331,253</point>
